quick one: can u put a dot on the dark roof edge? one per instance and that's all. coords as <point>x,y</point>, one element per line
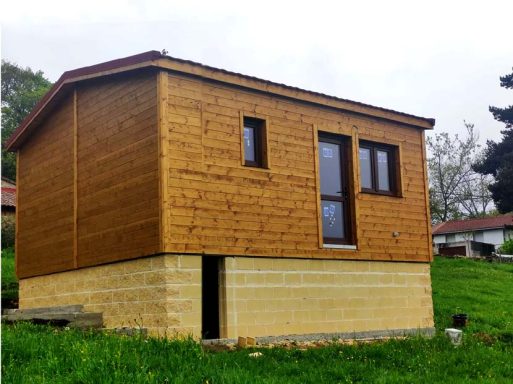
<point>290,87</point>
<point>472,230</point>
<point>8,180</point>
<point>80,72</point>
<point>149,56</point>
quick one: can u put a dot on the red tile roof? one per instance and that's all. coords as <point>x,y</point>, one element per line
<point>473,224</point>
<point>8,197</point>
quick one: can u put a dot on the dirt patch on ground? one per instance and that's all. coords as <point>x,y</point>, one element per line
<point>293,344</point>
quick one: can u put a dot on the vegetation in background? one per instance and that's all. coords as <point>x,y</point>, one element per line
<point>9,280</point>
<point>455,189</point>
<point>507,247</point>
<point>22,88</point>
<point>481,289</point>
<point>498,157</point>
<point>8,231</point>
<point>42,354</point>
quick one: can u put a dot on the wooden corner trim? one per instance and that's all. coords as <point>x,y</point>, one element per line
<point>315,133</point>
<point>162,157</point>
<point>75,178</point>
<point>426,196</point>
<point>16,218</point>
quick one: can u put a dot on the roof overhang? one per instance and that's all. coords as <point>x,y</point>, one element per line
<point>504,226</point>
<point>190,68</point>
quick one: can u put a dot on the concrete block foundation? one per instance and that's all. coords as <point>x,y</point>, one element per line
<point>160,293</point>
<point>258,297</point>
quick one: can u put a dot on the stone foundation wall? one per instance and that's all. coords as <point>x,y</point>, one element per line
<point>258,296</point>
<point>161,293</point>
<point>269,297</point>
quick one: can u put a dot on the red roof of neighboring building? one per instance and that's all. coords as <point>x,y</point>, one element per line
<point>474,224</point>
<point>9,197</point>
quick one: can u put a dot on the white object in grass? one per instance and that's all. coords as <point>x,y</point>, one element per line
<point>455,335</point>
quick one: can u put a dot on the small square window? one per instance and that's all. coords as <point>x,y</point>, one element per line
<point>378,168</point>
<point>254,142</point>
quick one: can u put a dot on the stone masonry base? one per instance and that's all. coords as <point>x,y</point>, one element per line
<point>258,297</point>
<point>160,293</point>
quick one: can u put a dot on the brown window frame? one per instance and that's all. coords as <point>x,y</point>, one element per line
<point>259,139</point>
<point>345,197</point>
<point>393,171</point>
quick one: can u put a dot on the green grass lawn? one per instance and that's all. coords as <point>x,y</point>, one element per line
<point>40,354</point>
<point>481,289</point>
<point>9,280</point>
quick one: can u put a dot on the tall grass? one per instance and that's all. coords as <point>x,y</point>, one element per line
<point>9,280</point>
<point>40,354</point>
<point>480,289</point>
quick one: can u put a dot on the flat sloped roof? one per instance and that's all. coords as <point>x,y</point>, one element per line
<point>159,60</point>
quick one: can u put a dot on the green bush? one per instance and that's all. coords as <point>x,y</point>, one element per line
<point>9,280</point>
<point>507,247</point>
<point>8,231</point>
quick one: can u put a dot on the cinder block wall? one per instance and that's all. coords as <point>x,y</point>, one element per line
<point>162,293</point>
<point>258,296</point>
<point>268,297</point>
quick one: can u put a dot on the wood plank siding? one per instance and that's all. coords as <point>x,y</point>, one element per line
<point>44,241</point>
<point>218,206</point>
<point>150,161</point>
<point>116,211</point>
<point>118,206</point>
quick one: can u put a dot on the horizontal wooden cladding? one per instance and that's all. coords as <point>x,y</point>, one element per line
<point>45,196</point>
<point>211,203</point>
<point>218,206</point>
<point>278,90</point>
<point>118,200</point>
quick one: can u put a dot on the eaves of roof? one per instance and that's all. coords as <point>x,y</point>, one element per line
<point>190,68</point>
<point>442,232</point>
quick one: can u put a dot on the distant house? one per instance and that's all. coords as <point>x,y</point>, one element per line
<point>8,197</point>
<point>489,230</point>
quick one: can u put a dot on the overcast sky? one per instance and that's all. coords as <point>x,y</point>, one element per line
<point>439,59</point>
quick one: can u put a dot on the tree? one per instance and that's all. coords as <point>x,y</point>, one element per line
<point>498,157</point>
<point>21,90</point>
<point>456,190</point>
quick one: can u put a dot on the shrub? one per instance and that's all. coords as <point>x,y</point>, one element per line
<point>8,230</point>
<point>9,280</point>
<point>507,247</point>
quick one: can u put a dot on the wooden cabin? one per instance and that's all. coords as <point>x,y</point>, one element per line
<point>186,199</point>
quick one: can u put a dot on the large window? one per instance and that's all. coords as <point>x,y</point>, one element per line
<point>254,142</point>
<point>378,173</point>
<point>334,185</point>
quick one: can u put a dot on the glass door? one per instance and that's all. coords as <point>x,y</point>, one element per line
<point>333,165</point>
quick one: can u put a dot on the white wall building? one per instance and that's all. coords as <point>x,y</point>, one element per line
<point>490,230</point>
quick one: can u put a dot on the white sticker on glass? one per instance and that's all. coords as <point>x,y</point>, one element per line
<point>327,152</point>
<point>364,154</point>
<point>332,218</point>
<point>246,137</point>
<point>326,211</point>
<point>382,157</point>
